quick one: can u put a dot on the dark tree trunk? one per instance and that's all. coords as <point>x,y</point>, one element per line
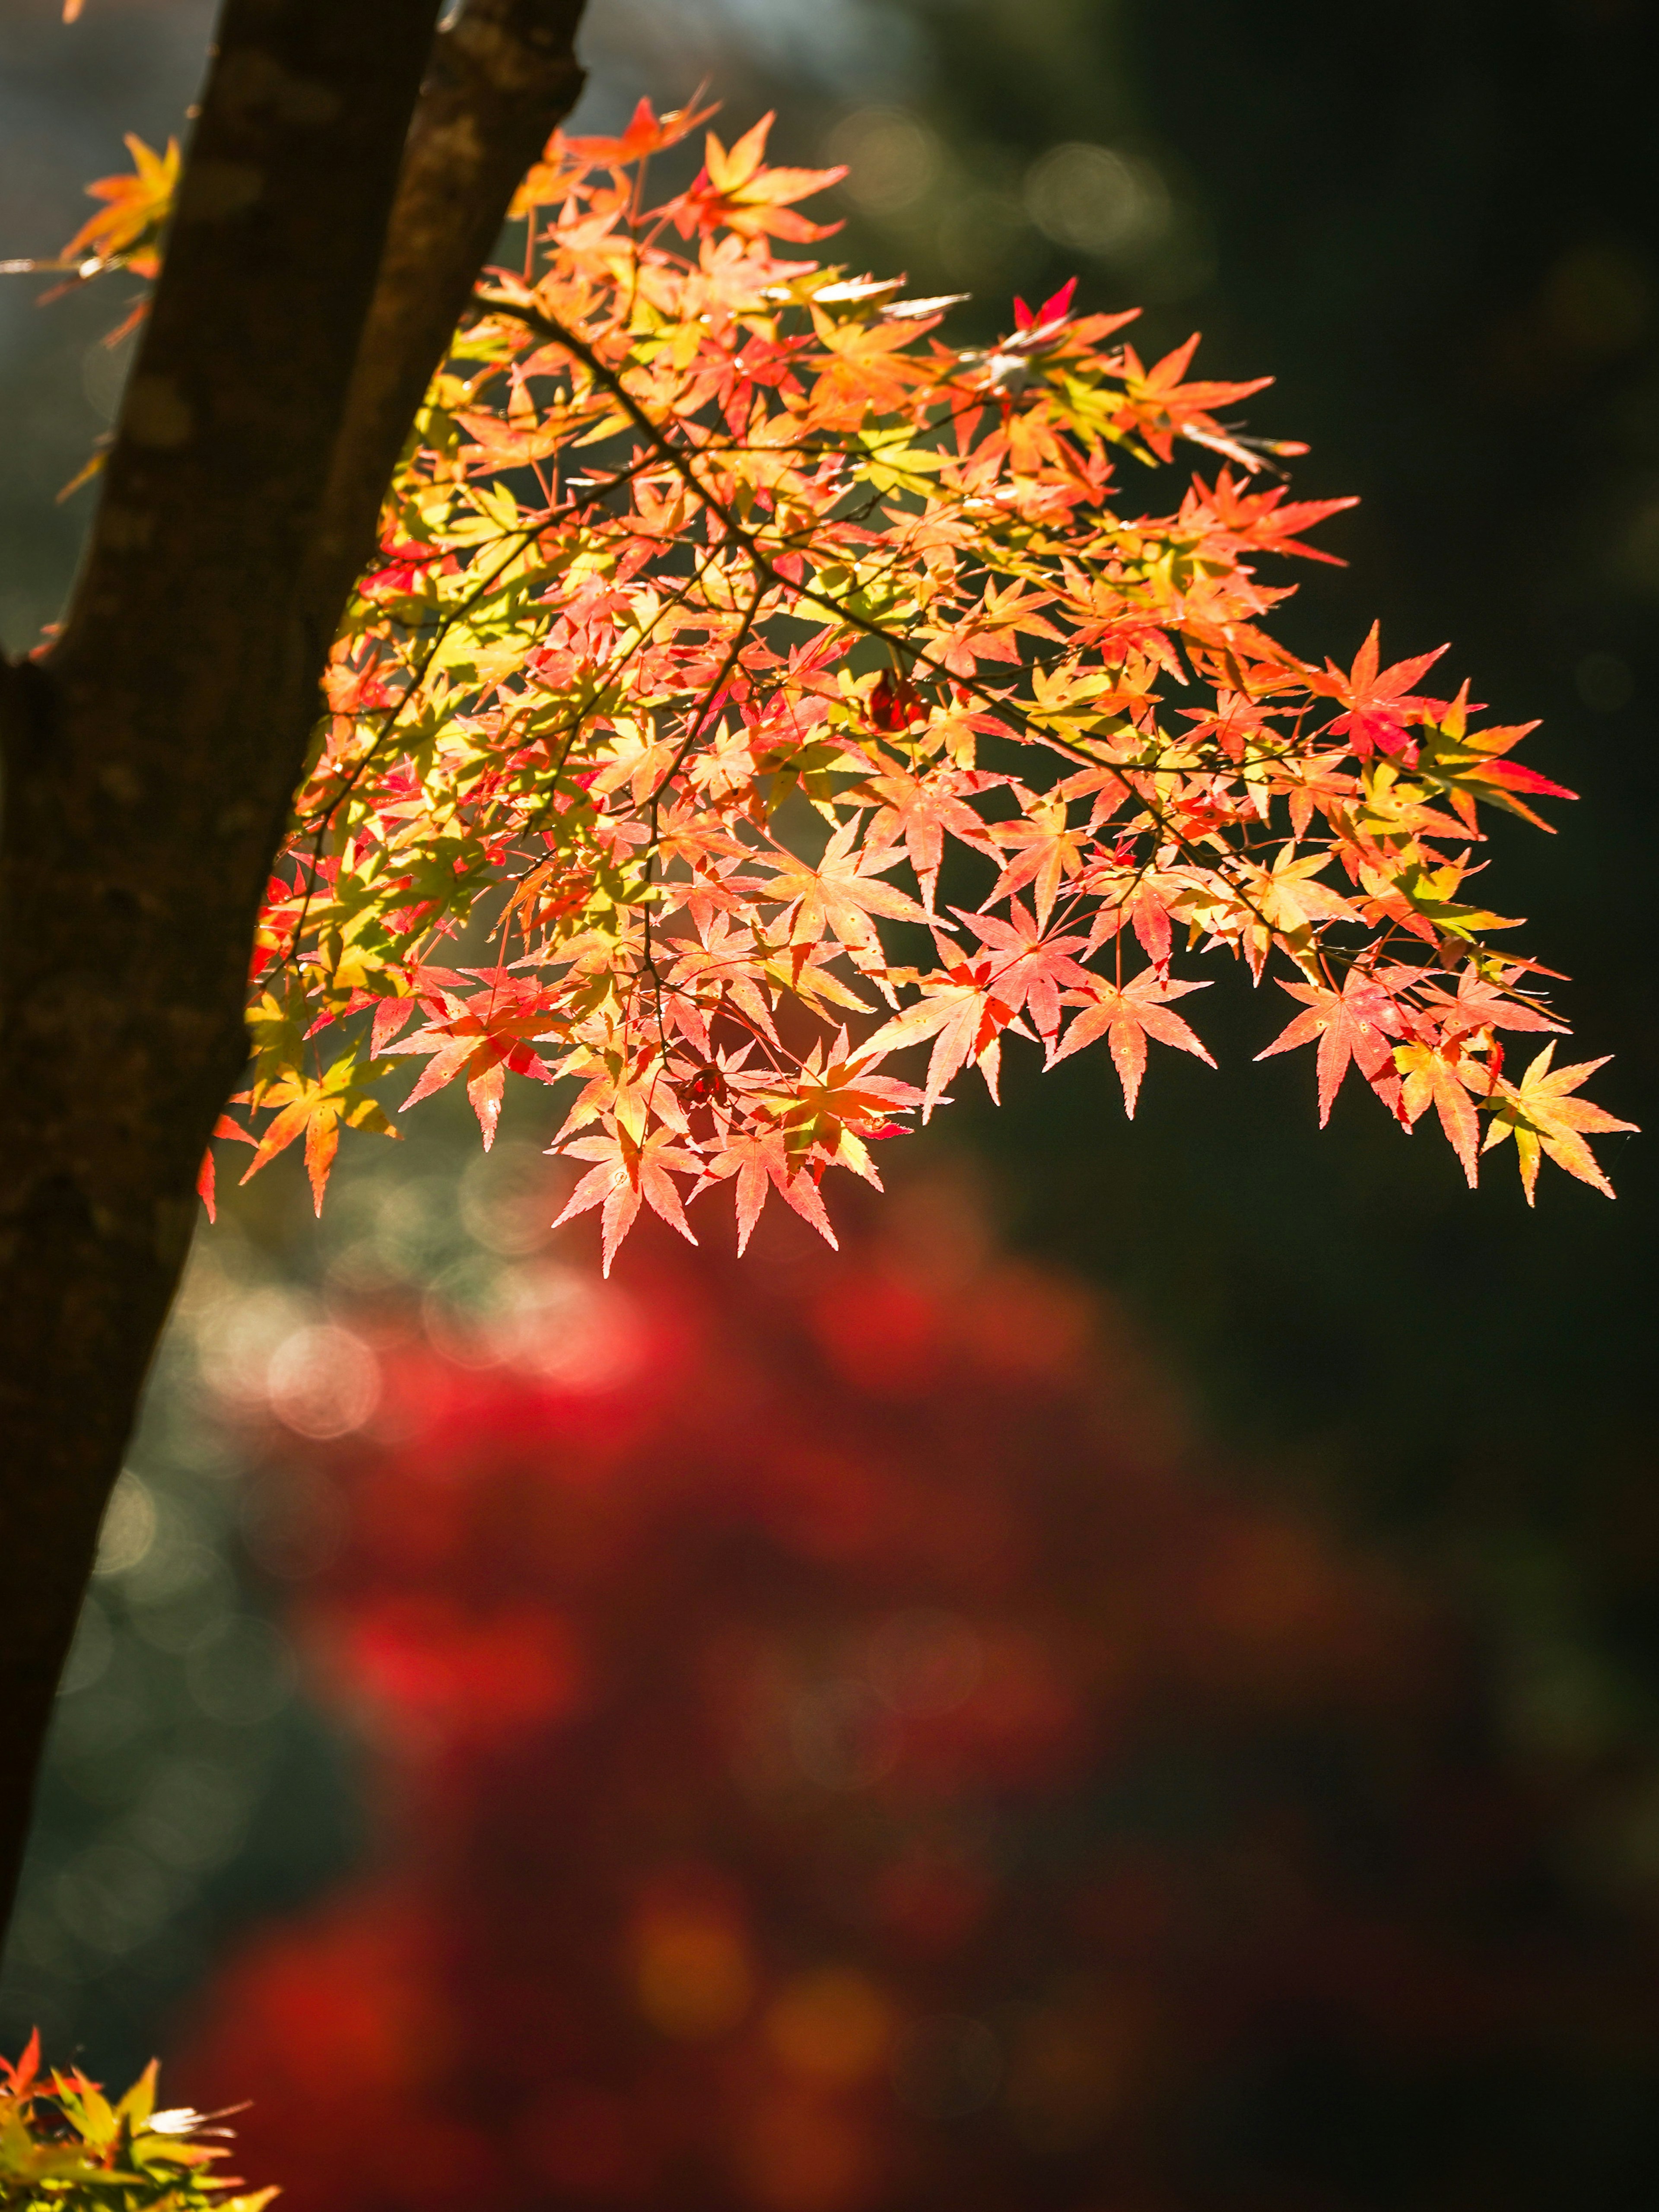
<point>333,214</point>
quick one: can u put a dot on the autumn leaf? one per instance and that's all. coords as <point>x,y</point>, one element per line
<point>1479,1003</point>
<point>1467,765</point>
<point>128,227</point>
<point>1542,1116</point>
<point>1354,1023</point>
<point>1128,1016</point>
<point>480,1037</point>
<point>1163,408</point>
<point>1029,969</point>
<point>1263,519</point>
<point>1377,707</point>
<point>959,1009</point>
<point>317,1108</point>
<point>206,1188</point>
<point>841,893</point>
<point>832,1108</point>
<point>920,810</point>
<point>738,190</point>
<point>1048,851</point>
<point>1287,896</point>
<point>630,1170</point>
<point>646,134</point>
<point>1441,1076</point>
<point>761,1161</point>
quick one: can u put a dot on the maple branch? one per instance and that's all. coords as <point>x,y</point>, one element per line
<point>150,762</point>
<point>703,715</point>
<point>501,78</point>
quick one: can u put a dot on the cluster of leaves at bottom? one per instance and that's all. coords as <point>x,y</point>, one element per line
<point>845,1750</point>
<point>65,2148</point>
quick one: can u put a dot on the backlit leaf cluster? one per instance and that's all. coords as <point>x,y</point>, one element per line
<point>65,2147</point>
<point>760,708</point>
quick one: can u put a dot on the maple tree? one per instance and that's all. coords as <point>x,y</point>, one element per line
<point>715,595</point>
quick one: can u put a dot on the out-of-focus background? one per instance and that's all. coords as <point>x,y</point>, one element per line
<point>1135,1687</point>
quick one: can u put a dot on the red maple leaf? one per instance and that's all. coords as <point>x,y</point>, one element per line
<point>481,1037</point>
<point>1377,706</point>
<point>1028,969</point>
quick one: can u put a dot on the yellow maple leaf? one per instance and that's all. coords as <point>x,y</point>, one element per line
<point>1540,1116</point>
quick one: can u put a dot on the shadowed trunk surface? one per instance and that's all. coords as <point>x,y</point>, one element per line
<point>332,217</point>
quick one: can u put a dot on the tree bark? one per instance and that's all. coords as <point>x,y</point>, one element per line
<point>501,76</point>
<point>332,216</point>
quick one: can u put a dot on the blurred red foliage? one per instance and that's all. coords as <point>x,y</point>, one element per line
<point>844,1749</point>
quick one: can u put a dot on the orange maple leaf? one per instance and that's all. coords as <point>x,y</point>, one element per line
<point>1542,1116</point>
<point>841,893</point>
<point>1129,1016</point>
<point>1355,1023</point>
<point>1439,1075</point>
<point>761,1161</point>
<point>961,1011</point>
<point>315,1107</point>
<point>735,190</point>
<point>128,227</point>
<point>629,1170</point>
<point>481,1037</point>
<point>549,180</point>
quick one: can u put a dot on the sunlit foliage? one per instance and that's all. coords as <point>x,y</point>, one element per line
<point>65,2148</point>
<point>752,687</point>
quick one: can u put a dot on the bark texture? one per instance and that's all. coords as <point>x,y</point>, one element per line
<point>333,213</point>
<point>501,76</point>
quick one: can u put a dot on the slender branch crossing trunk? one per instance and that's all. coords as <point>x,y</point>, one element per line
<point>347,176</point>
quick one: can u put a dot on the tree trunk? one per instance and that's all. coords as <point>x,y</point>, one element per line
<point>332,217</point>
